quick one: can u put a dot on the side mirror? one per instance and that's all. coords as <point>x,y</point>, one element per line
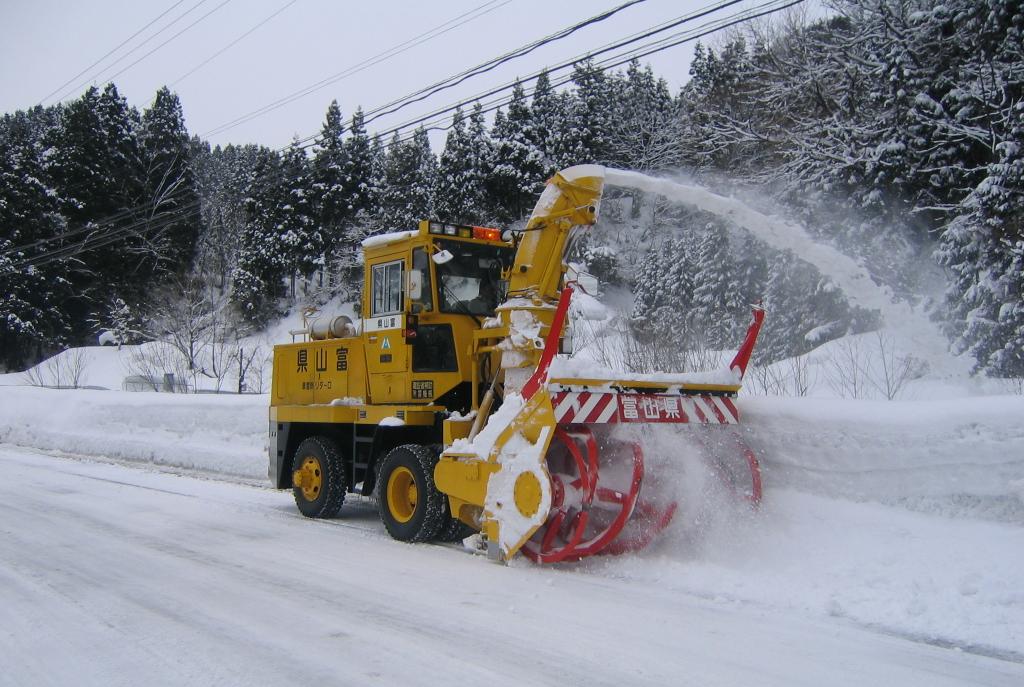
<point>414,284</point>
<point>442,256</point>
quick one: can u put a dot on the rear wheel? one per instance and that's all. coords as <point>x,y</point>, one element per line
<point>318,478</point>
<point>410,506</point>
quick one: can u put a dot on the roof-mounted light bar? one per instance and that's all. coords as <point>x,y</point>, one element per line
<point>464,232</point>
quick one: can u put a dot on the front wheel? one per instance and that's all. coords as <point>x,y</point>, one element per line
<point>410,506</point>
<point>318,478</point>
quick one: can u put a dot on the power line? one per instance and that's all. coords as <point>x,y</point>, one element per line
<point>393,51</point>
<point>118,47</point>
<point>693,16</point>
<point>230,45</point>
<point>163,221</point>
<point>434,119</point>
<point>94,242</point>
<point>378,112</point>
<point>93,225</point>
<point>494,63</point>
<point>108,236</point>
<point>95,76</point>
<point>117,74</point>
<point>454,80</point>
<point>98,224</point>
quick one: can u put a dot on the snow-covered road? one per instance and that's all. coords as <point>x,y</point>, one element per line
<point>113,575</point>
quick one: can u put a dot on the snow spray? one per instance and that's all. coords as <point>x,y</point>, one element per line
<point>850,276</point>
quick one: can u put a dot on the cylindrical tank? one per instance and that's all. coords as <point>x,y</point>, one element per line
<point>339,327</point>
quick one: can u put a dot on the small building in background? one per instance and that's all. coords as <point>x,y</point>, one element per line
<point>167,383</point>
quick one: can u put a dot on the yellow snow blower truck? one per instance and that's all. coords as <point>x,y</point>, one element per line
<point>449,401</point>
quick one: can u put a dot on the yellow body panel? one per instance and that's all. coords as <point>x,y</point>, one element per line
<point>318,372</point>
<point>566,203</point>
<point>464,479</point>
<point>361,414</point>
<point>376,366</point>
<point>456,429</point>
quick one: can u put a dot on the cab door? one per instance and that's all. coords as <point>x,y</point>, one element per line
<point>387,354</point>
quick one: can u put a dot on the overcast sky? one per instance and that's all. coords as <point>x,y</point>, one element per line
<point>44,43</point>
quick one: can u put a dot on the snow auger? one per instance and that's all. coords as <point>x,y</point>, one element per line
<point>451,403</point>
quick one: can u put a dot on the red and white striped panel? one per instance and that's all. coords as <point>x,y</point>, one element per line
<point>607,407</point>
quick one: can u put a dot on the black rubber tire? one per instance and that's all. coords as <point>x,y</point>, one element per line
<point>332,491</point>
<point>453,530</point>
<point>430,509</point>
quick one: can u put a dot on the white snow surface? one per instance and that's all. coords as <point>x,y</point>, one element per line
<point>224,434</point>
<point>888,549</point>
<point>483,442</point>
<point>115,576</point>
<point>349,401</point>
<point>385,239</point>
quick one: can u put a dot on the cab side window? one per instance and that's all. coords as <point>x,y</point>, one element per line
<point>387,288</point>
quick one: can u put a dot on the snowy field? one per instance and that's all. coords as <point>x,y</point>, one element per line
<point>139,534</point>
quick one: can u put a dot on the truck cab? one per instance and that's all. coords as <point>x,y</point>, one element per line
<point>426,293</point>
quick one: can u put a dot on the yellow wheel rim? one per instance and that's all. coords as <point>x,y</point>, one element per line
<point>309,478</point>
<point>402,494</point>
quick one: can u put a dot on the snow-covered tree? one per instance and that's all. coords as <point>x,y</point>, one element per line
<point>94,161</point>
<point>173,217</point>
<point>518,171</point>
<point>331,196</point>
<point>223,177</point>
<point>31,297</point>
<point>457,193</point>
<point>984,248</point>
<point>663,288</point>
<point>301,236</point>
<point>409,179</point>
<point>546,122</point>
<point>263,264</point>
<point>717,303</point>
<point>481,156</point>
<point>359,161</point>
<point>984,244</point>
<point>646,130</point>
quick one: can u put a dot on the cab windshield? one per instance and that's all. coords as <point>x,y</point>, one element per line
<point>469,283</point>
